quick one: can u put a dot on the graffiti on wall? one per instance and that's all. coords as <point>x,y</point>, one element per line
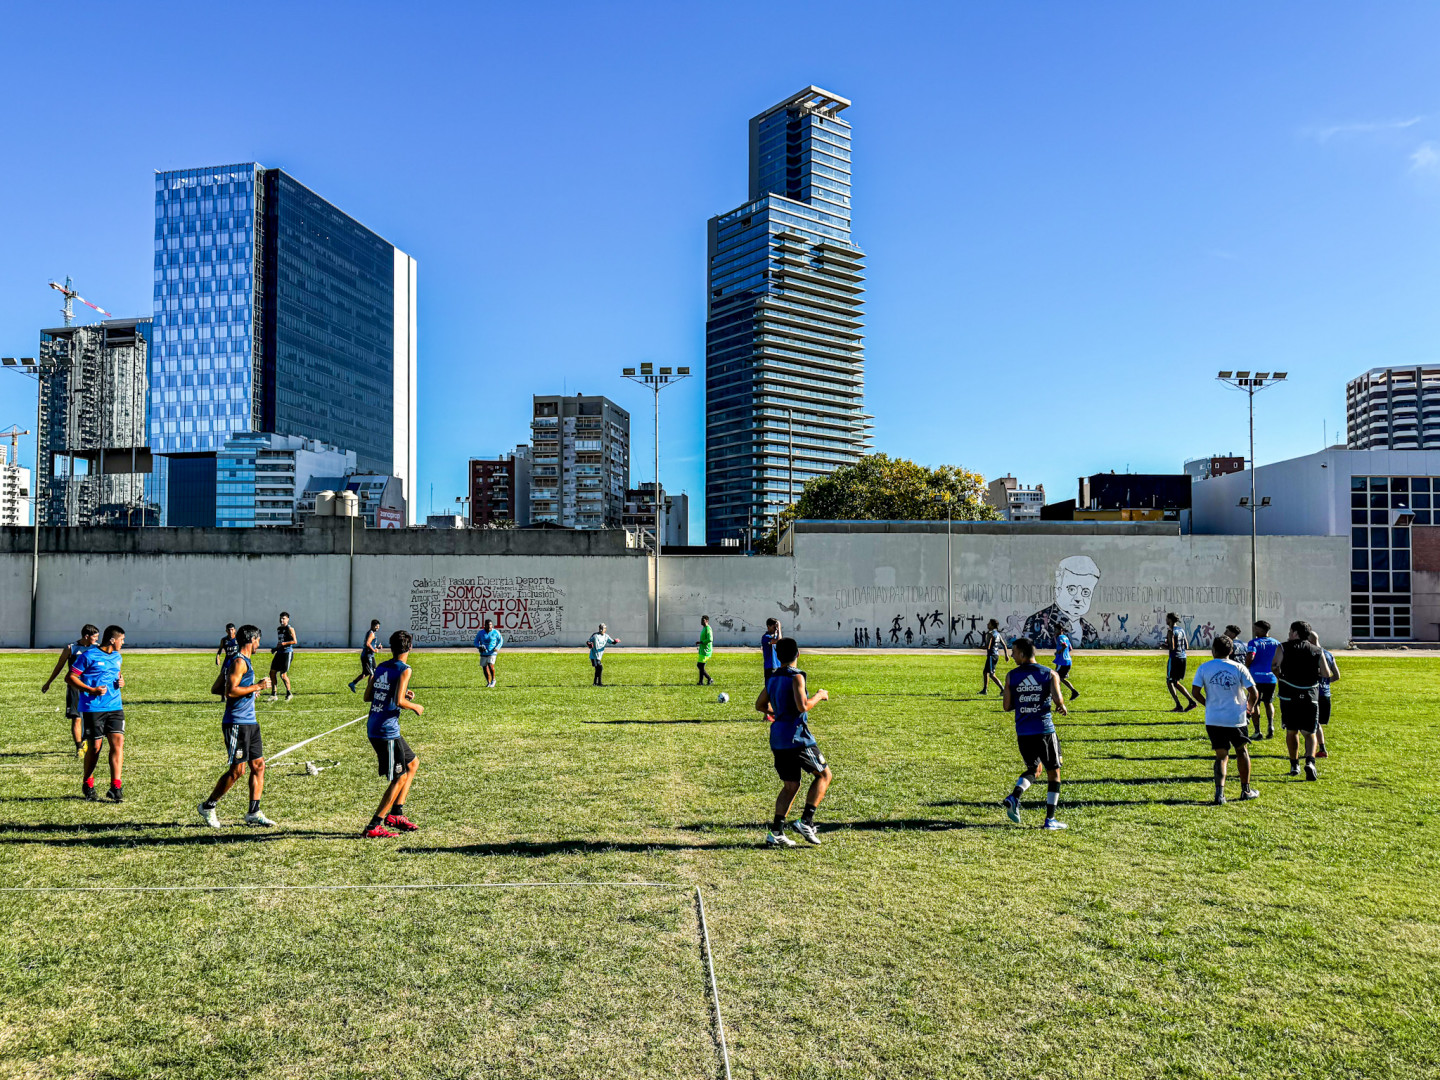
<point>448,610</point>
<point>1123,616</point>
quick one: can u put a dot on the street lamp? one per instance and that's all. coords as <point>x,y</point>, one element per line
<point>656,381</point>
<point>39,372</point>
<point>464,502</point>
<point>1252,384</point>
<point>944,497</point>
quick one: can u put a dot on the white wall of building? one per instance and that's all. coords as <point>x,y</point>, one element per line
<point>406,388</point>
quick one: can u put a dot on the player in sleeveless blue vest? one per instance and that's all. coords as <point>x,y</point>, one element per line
<point>284,653</point>
<point>367,654</point>
<point>1176,663</point>
<point>1063,661</point>
<point>787,706</point>
<point>994,644</point>
<point>229,646</point>
<point>1260,651</point>
<point>1032,693</point>
<point>240,729</point>
<point>768,641</point>
<point>95,673</point>
<point>388,693</point>
<point>89,635</point>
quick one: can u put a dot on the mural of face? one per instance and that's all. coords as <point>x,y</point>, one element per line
<point>1075,581</point>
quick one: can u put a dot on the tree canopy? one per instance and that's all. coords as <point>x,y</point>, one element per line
<point>881,488</point>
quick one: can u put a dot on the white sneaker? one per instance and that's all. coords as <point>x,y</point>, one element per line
<point>1053,825</point>
<point>209,816</point>
<point>257,818</point>
<point>807,832</point>
<point>778,839</point>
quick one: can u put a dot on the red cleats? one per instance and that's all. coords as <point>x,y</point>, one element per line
<point>379,831</point>
<point>401,822</point>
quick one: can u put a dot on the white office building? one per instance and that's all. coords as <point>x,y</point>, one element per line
<point>14,491</point>
<point>1394,408</point>
<point>1014,502</point>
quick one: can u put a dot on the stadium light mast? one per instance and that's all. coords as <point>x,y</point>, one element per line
<point>1252,384</point>
<point>656,381</point>
<point>39,372</point>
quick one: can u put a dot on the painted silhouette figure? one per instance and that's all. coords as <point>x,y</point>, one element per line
<point>909,636</point>
<point>895,630</point>
<point>879,638</point>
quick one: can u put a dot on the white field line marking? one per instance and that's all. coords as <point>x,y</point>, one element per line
<point>307,742</point>
<point>699,901</point>
<point>714,991</point>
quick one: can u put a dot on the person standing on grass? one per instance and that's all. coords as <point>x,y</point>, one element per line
<point>1032,693</point>
<point>229,645</point>
<point>388,692</point>
<point>598,642</point>
<point>1227,690</point>
<point>1332,674</point>
<point>1260,655</point>
<point>240,731</point>
<point>367,654</point>
<point>95,673</point>
<point>285,642</point>
<point>1176,663</point>
<point>768,641</point>
<point>785,704</point>
<point>704,649</point>
<point>89,635</point>
<point>1063,661</point>
<point>1298,667</point>
<point>488,642</point>
<point>994,644</point>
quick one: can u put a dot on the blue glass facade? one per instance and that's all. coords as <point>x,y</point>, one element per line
<point>202,352</point>
<point>784,339</point>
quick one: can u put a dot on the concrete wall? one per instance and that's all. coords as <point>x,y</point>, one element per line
<point>1111,584</point>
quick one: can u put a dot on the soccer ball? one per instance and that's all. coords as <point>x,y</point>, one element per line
<point>723,698</point>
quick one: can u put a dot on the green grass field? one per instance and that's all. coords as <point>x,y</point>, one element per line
<point>1295,936</point>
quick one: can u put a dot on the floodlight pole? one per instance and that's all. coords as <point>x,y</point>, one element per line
<point>1252,384</point>
<point>655,383</point>
<point>39,372</point>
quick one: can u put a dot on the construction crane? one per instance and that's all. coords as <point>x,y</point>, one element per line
<point>70,295</point>
<point>14,436</point>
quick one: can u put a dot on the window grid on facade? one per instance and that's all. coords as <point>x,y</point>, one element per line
<point>1380,568</point>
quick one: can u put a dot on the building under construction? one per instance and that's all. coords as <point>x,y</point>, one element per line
<point>95,466</point>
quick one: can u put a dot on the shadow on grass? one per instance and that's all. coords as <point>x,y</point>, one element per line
<point>123,836</point>
<point>1141,780</point>
<point>757,720</point>
<point>874,825</point>
<point>1128,738</point>
<point>539,849</point>
<point>1068,802</point>
<point>1128,723</point>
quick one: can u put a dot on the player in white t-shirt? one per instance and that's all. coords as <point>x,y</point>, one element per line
<point>1227,690</point>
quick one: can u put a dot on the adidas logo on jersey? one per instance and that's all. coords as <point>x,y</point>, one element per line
<point>1029,683</point>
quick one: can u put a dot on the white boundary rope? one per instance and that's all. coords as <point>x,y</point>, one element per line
<point>699,905</point>
<point>276,757</point>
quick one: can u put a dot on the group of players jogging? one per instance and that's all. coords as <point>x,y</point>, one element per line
<point>1234,686</point>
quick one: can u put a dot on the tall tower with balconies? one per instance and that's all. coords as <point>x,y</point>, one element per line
<point>784,348</point>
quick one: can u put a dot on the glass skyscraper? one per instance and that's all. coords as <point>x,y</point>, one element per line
<point>274,312</point>
<point>784,375</point>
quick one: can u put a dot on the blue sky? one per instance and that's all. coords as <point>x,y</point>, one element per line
<point>1074,213</point>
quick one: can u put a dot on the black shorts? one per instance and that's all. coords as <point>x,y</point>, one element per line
<point>367,662</point>
<point>280,662</point>
<point>991,660</point>
<point>1266,690</point>
<point>1063,670</point>
<point>1227,738</point>
<point>242,742</point>
<point>96,725</point>
<point>1040,750</point>
<point>1300,711</point>
<point>72,702</point>
<point>1324,708</point>
<point>790,763</point>
<point>1175,669</point>
<point>393,754</point>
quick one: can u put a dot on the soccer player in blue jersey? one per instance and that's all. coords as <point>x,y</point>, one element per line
<point>994,644</point>
<point>1260,655</point>
<point>1032,693</point>
<point>1176,663</point>
<point>1063,661</point>
<point>240,730</point>
<point>95,673</point>
<point>389,692</point>
<point>89,635</point>
<point>787,706</point>
<point>768,641</point>
<point>285,642</point>
<point>488,642</point>
<point>367,654</point>
<point>598,642</point>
